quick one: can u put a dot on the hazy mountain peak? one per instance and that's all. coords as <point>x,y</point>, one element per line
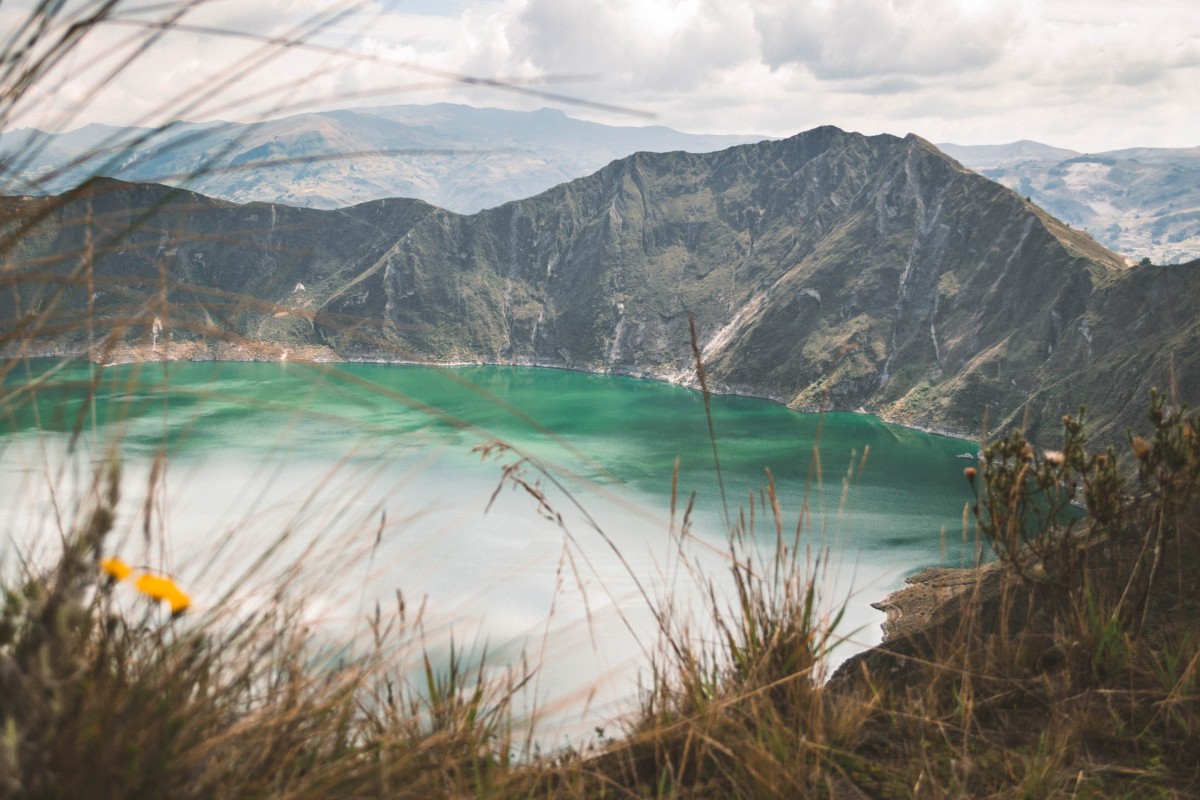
<point>455,156</point>
<point>992,155</point>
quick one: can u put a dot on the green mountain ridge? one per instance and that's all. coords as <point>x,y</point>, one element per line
<point>829,269</point>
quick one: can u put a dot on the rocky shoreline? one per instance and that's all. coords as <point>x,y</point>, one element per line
<point>917,605</point>
<point>928,609</point>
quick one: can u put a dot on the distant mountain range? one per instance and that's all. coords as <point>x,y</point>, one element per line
<point>1141,202</point>
<point>829,269</point>
<point>456,157</point>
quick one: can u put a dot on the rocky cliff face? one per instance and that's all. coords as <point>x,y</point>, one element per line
<point>828,269</point>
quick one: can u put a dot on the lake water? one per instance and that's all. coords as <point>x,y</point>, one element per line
<point>370,470</point>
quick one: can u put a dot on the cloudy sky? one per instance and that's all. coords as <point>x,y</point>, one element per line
<point>1085,74</point>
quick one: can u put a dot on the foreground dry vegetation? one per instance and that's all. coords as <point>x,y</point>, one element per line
<point>1069,667</point>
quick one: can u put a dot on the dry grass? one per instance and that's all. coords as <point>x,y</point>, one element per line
<point>1069,668</point>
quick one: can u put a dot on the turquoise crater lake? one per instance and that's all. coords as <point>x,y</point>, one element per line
<point>379,460</point>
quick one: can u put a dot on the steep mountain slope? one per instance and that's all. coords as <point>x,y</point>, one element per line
<point>1141,202</point>
<point>828,269</point>
<point>453,156</point>
<point>145,271</point>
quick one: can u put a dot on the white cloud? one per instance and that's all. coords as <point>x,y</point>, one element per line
<point>639,45</point>
<point>1088,74</point>
<point>859,38</point>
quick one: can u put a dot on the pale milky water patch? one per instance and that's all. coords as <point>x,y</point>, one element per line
<point>489,579</point>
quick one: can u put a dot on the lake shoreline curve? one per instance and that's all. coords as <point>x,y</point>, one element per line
<point>319,354</point>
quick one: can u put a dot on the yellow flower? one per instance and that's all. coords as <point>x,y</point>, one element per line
<point>116,569</point>
<point>162,588</point>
